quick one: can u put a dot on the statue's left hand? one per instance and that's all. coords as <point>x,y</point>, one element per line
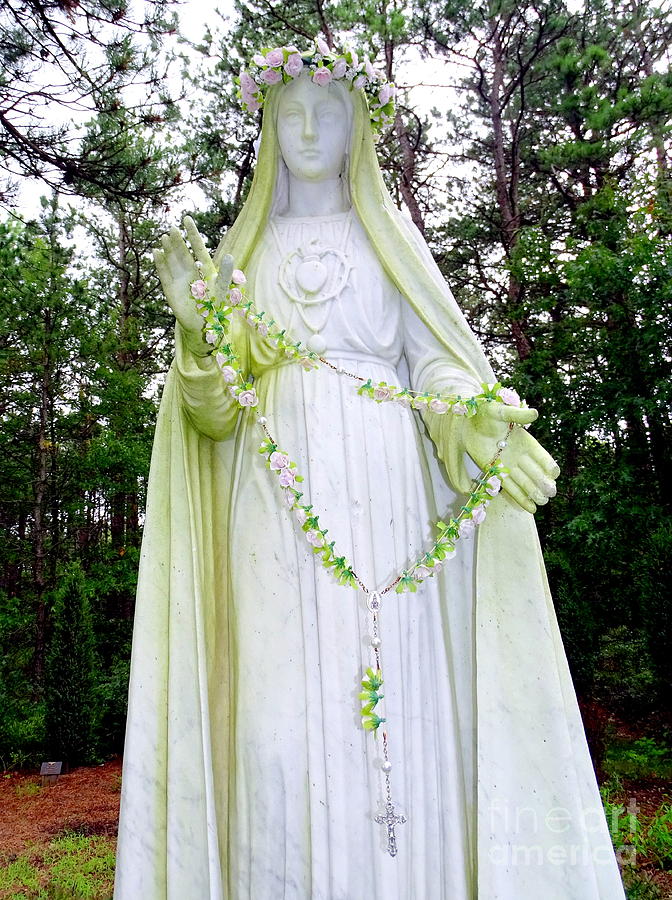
<point>532,471</point>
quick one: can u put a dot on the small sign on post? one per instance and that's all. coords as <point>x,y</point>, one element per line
<point>50,772</point>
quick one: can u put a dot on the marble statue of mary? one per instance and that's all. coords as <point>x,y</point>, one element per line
<point>246,771</point>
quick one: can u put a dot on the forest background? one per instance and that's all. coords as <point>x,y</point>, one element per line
<point>542,182</point>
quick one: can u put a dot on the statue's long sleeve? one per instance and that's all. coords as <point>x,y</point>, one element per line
<point>203,392</point>
<point>432,369</point>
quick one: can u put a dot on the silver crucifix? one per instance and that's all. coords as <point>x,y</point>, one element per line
<point>390,819</point>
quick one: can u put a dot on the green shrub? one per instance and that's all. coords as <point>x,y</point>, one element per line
<point>70,672</point>
<point>641,758</point>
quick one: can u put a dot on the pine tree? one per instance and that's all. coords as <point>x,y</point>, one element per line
<point>70,674</point>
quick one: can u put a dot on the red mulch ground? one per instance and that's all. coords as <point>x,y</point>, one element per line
<point>86,801</point>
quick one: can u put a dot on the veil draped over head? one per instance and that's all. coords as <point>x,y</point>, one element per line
<point>538,828</point>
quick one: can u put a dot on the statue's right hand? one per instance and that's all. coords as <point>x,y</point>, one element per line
<point>176,265</point>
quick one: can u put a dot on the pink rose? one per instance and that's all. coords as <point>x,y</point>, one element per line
<point>289,498</point>
<point>381,393</point>
<point>438,407</point>
<point>259,59</point>
<point>315,538</point>
<point>339,68</point>
<point>359,82</point>
<point>301,515</point>
<point>354,59</point>
<point>478,515</point>
<point>494,485</point>
<point>274,58</point>
<point>386,93</point>
<point>234,296</point>
<point>287,477</point>
<point>252,105</point>
<point>368,68</point>
<point>460,409</point>
<point>322,76</point>
<point>248,397</point>
<point>467,527</point>
<point>438,565</point>
<point>271,76</point>
<point>422,572</point>
<point>198,289</point>
<point>278,461</point>
<point>262,329</point>
<point>322,46</point>
<point>294,65</point>
<point>247,84</point>
<point>238,277</point>
<point>509,396</point>
<point>228,373</point>
<point>211,337</point>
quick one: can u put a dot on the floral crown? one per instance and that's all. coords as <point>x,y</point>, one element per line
<point>283,64</point>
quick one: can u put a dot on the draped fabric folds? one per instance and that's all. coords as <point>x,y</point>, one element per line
<point>537,825</point>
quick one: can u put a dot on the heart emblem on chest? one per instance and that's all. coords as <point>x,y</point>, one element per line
<point>314,274</point>
<point>311,274</point>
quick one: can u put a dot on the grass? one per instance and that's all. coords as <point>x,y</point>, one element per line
<point>642,842</point>
<point>29,789</point>
<point>71,867</point>
<point>640,758</point>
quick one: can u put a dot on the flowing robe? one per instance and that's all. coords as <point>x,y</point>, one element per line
<point>257,779</point>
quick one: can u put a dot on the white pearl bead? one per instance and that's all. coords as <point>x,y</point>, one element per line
<point>317,344</point>
<point>262,420</point>
<point>386,766</point>
<point>502,444</point>
<point>376,642</point>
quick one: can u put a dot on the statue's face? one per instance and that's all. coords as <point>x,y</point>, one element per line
<point>312,130</point>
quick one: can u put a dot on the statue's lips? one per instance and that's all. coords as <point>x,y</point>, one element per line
<point>310,154</point>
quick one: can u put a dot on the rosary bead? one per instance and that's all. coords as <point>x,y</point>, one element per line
<point>262,420</point>
<point>376,642</point>
<point>386,766</point>
<point>502,444</point>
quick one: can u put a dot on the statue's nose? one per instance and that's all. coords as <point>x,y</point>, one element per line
<point>309,127</point>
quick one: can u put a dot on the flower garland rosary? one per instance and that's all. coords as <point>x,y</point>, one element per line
<point>217,314</point>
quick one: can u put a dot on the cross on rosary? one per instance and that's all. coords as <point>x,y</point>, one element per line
<point>390,819</point>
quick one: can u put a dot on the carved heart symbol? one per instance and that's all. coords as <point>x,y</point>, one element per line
<point>311,275</point>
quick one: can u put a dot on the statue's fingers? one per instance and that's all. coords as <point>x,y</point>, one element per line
<point>180,251</point>
<point>544,459</point>
<point>172,267</point>
<point>517,415</point>
<point>225,271</point>
<point>159,258</point>
<point>197,243</point>
<point>527,485</point>
<point>532,468</point>
<point>514,491</point>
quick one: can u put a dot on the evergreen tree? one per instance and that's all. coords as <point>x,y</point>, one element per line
<point>70,678</point>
